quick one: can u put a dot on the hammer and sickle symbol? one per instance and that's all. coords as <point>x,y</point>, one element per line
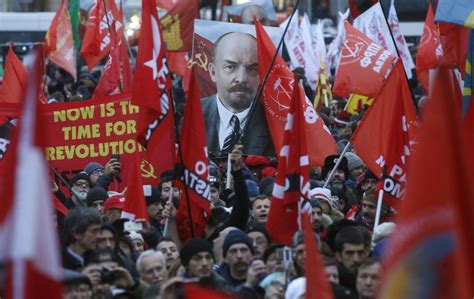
<point>148,171</point>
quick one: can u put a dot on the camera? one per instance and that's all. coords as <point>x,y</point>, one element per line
<point>106,276</point>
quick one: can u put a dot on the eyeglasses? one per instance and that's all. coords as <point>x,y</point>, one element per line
<point>98,171</point>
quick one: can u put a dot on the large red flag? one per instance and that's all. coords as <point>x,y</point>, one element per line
<point>29,245</point>
<point>291,189</point>
<point>109,83</point>
<point>454,40</point>
<point>97,40</point>
<point>317,286</point>
<point>386,134</point>
<point>363,65</point>
<point>135,205</point>
<point>194,168</point>
<point>428,255</point>
<point>59,42</point>
<point>277,99</point>
<point>430,50</point>
<point>151,91</point>
<point>14,79</point>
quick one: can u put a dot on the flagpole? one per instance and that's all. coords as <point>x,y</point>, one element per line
<point>66,184</point>
<point>398,53</point>
<point>267,74</point>
<point>337,165</point>
<point>228,174</point>
<point>378,211</point>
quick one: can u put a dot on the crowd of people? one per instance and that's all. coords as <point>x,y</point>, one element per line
<point>105,257</point>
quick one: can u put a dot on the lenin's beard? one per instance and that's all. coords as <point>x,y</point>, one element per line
<point>240,97</point>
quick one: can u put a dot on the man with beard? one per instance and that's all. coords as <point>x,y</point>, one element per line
<point>366,215</point>
<point>234,69</point>
<point>338,180</point>
<point>368,276</point>
<point>238,253</point>
<point>80,185</point>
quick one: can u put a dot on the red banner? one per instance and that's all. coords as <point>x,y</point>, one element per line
<point>90,131</point>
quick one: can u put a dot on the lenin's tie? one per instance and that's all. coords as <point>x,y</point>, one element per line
<point>233,137</point>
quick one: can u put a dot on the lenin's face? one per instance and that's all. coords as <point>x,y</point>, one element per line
<point>235,70</point>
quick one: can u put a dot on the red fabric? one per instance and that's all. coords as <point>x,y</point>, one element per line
<point>454,39</point>
<point>202,52</point>
<point>291,189</point>
<point>430,51</point>
<point>134,206</point>
<point>14,79</point>
<point>252,161</point>
<point>363,65</point>
<point>96,43</point>
<point>177,62</point>
<point>384,138</point>
<point>178,23</point>
<point>59,206</point>
<point>432,232</point>
<point>277,99</point>
<point>317,285</point>
<point>195,166</point>
<point>151,91</point>
<point>109,82</point>
<point>193,291</point>
<point>26,213</point>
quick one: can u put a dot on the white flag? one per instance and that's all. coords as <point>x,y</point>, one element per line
<point>311,57</point>
<point>334,50</point>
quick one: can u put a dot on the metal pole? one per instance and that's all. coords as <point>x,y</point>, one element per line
<point>337,165</point>
<point>378,211</point>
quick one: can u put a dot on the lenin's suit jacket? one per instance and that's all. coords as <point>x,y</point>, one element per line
<point>257,139</point>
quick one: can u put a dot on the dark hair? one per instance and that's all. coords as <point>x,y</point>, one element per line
<point>351,235</point>
<point>369,262</point>
<point>165,239</point>
<point>271,249</point>
<point>329,261</point>
<point>96,256</point>
<point>77,222</point>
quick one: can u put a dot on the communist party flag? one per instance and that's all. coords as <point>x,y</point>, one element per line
<point>177,24</point>
<point>59,41</point>
<point>151,91</point>
<point>97,41</point>
<point>14,79</point>
<point>193,166</point>
<point>31,270</point>
<point>135,205</point>
<point>387,133</point>
<point>429,255</point>
<point>363,65</point>
<point>277,98</point>
<point>430,51</point>
<point>291,190</point>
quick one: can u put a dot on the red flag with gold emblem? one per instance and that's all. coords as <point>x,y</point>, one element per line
<point>277,98</point>
<point>363,65</point>
<point>59,42</point>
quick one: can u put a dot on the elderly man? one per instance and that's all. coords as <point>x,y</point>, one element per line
<point>151,266</point>
<point>234,69</point>
<point>80,186</point>
<point>80,233</point>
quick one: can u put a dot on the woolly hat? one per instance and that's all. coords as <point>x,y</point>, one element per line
<point>252,188</point>
<point>96,193</point>
<point>135,236</point>
<point>193,247</point>
<point>353,161</point>
<point>151,195</point>
<point>329,164</point>
<point>296,288</point>
<point>80,176</point>
<point>91,167</point>
<point>323,195</point>
<point>235,237</point>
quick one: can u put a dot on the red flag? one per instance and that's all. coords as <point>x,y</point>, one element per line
<point>454,40</point>
<point>59,42</point>
<point>318,286</point>
<point>385,136</point>
<point>193,291</point>
<point>135,205</point>
<point>291,189</point>
<point>277,99</point>
<point>194,166</point>
<point>178,23</point>
<point>151,91</point>
<point>430,51</point>
<point>363,65</point>
<point>32,270</point>
<point>97,40</point>
<point>428,255</point>
<point>109,83</point>
<point>358,7</point>
<point>14,79</point>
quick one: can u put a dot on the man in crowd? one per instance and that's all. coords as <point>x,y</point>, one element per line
<point>261,208</point>
<point>113,207</point>
<point>260,239</point>
<point>234,69</point>
<point>151,266</point>
<point>169,249</point>
<point>238,251</point>
<point>368,276</point>
<point>80,186</point>
<point>96,198</point>
<point>102,176</point>
<point>80,233</point>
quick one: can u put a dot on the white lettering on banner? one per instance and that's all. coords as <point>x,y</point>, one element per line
<point>371,51</point>
<point>310,115</point>
<point>200,186</point>
<point>380,161</point>
<point>380,61</point>
<point>3,147</point>
<point>200,167</point>
<point>393,188</point>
